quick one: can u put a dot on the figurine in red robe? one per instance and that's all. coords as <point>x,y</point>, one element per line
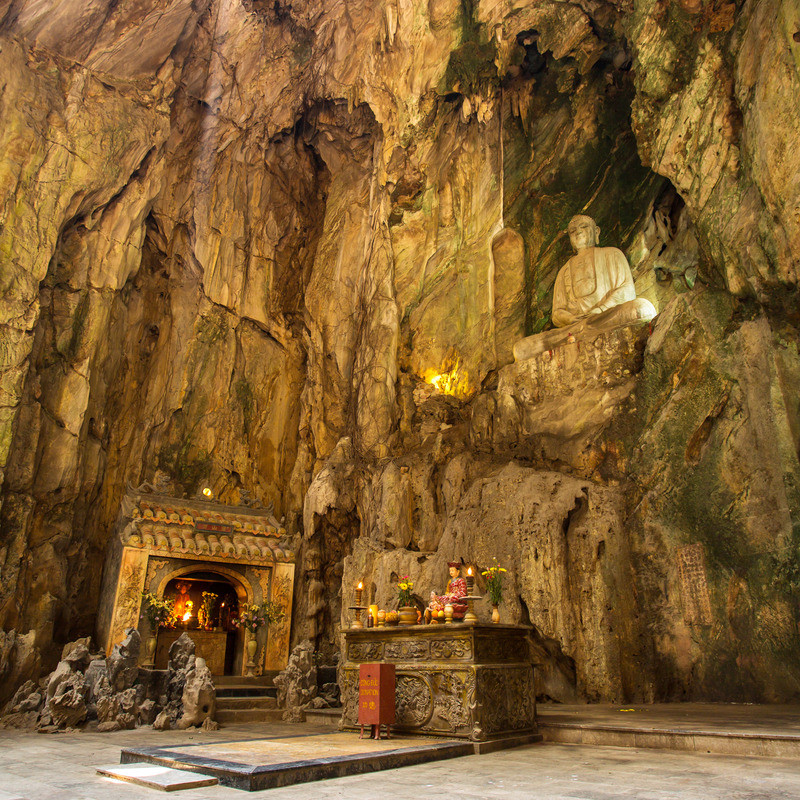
<point>454,592</point>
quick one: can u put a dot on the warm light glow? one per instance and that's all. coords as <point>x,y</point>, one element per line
<point>360,585</point>
<point>188,615</point>
<point>448,380</point>
<point>207,492</point>
<point>469,571</point>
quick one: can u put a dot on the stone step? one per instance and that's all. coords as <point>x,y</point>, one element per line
<point>728,730</point>
<point>235,716</point>
<point>240,680</point>
<point>323,716</point>
<point>246,691</point>
<point>155,776</point>
<point>233,703</point>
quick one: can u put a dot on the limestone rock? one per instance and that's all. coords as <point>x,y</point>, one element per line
<point>181,654</point>
<point>199,696</point>
<point>148,712</point>
<point>297,684</point>
<point>123,662</point>
<point>162,722</point>
<point>66,704</point>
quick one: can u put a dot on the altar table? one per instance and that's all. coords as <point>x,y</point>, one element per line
<point>459,680</point>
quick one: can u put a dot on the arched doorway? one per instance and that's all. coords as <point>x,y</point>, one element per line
<point>207,604</point>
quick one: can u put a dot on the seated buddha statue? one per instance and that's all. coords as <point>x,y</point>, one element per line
<point>454,593</point>
<point>593,293</point>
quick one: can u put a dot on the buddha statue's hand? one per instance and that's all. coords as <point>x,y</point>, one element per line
<point>562,318</point>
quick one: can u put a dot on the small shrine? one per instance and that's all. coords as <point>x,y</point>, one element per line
<point>210,563</point>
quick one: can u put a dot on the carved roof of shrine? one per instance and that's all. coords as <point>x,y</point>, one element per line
<point>161,523</point>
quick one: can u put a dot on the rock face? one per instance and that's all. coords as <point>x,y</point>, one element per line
<point>284,250</point>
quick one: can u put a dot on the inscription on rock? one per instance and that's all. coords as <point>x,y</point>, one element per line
<point>694,585</point>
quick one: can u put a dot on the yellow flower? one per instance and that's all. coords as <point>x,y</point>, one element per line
<point>502,570</point>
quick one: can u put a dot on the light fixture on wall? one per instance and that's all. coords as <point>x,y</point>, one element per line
<point>208,493</point>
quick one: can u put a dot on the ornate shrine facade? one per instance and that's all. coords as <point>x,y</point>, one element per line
<point>186,550</point>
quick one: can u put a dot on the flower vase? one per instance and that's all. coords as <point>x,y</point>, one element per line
<point>252,644</point>
<point>150,652</point>
<point>408,615</point>
<point>495,613</point>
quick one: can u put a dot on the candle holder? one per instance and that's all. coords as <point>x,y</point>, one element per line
<point>470,616</point>
<point>357,623</point>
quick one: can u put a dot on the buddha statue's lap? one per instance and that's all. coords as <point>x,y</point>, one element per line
<point>593,293</point>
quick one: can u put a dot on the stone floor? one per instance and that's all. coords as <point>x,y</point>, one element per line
<point>44,767</point>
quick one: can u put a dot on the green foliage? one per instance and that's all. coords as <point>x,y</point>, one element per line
<point>187,466</point>
<point>494,582</point>
<point>157,611</point>
<point>787,572</point>
<point>244,394</point>
<point>254,617</point>
<point>404,588</point>
<point>471,67</point>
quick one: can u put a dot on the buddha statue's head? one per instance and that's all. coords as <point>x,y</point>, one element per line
<point>583,232</point>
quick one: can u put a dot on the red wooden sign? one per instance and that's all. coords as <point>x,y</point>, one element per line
<point>376,694</point>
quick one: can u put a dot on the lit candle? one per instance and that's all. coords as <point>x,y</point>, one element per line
<point>470,580</point>
<point>359,590</point>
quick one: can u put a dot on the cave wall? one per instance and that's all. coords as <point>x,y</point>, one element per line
<point>239,238</point>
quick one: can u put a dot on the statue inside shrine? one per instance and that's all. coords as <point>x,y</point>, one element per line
<point>593,293</point>
<point>183,603</point>
<point>454,593</point>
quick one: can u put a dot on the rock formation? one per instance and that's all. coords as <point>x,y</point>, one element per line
<point>284,250</point>
<point>113,691</point>
<point>297,684</point>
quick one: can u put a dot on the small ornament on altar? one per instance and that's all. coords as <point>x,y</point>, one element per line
<point>470,616</point>
<point>358,608</point>
<point>408,613</point>
<point>381,618</point>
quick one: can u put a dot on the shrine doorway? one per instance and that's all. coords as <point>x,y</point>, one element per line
<point>207,601</point>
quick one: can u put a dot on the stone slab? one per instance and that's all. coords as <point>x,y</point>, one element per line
<point>155,776</point>
<point>256,764</point>
<point>772,731</point>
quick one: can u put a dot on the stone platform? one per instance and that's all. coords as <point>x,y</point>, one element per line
<point>742,730</point>
<point>255,764</point>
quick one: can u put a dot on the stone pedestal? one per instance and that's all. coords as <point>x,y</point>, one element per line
<point>468,681</point>
<point>557,402</point>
